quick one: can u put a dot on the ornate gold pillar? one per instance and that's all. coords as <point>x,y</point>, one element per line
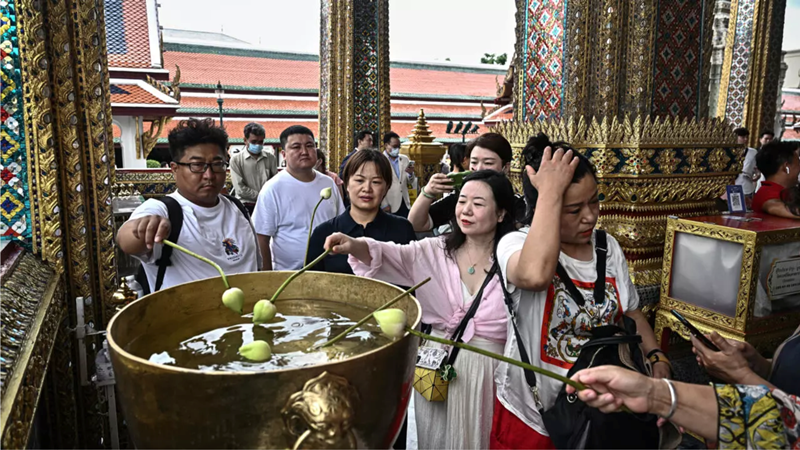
<point>354,74</point>
<point>626,82</point>
<point>69,163</point>
<point>749,87</point>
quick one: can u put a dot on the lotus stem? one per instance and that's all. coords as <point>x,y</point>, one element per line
<point>201,258</point>
<point>297,274</point>
<point>461,345</point>
<point>311,228</point>
<point>369,316</point>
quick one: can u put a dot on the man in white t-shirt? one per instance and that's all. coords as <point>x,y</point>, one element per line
<point>213,226</point>
<point>283,211</point>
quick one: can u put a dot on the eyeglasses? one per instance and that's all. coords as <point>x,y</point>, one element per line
<point>198,167</point>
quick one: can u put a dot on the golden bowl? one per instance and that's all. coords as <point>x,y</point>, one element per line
<point>359,402</point>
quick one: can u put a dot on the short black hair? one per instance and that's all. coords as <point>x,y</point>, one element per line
<point>389,135</point>
<point>254,128</point>
<point>193,132</point>
<point>362,134</point>
<point>533,153</point>
<point>457,152</point>
<point>773,155</point>
<point>741,132</point>
<point>362,157</point>
<point>494,142</point>
<point>764,132</point>
<point>294,129</point>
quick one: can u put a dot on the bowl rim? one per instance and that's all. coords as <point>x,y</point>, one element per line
<point>124,354</point>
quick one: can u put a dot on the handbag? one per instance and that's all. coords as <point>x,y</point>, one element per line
<point>572,424</point>
<point>432,375</point>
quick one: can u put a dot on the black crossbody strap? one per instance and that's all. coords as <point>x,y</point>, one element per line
<point>238,204</point>
<point>175,215</point>
<point>601,253</point>
<point>462,326</point>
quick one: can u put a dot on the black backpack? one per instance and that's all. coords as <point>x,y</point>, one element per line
<point>175,214</point>
<point>570,423</point>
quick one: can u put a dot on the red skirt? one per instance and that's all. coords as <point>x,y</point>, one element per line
<point>508,432</point>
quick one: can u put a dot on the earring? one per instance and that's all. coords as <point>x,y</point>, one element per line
<point>787,170</point>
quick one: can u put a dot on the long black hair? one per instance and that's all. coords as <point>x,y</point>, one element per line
<point>457,152</point>
<point>533,153</point>
<point>503,193</point>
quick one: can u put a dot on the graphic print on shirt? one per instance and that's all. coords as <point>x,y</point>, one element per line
<point>566,325</point>
<point>231,249</point>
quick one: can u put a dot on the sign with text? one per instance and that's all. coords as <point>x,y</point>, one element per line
<point>736,202</point>
<point>783,278</point>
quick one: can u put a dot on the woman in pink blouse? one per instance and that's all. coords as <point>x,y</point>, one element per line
<point>458,264</point>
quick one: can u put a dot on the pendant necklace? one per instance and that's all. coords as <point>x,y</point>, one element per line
<point>471,269</point>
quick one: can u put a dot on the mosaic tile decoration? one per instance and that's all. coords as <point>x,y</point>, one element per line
<point>740,63</point>
<point>543,59</point>
<point>366,104</point>
<point>678,58</point>
<point>14,199</point>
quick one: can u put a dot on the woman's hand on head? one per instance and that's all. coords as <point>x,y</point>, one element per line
<point>555,172</point>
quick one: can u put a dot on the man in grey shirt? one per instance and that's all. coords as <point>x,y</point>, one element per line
<point>253,167</point>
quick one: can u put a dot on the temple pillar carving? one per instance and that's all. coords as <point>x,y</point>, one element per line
<point>749,88</point>
<point>57,59</point>
<point>354,74</point>
<point>627,83</point>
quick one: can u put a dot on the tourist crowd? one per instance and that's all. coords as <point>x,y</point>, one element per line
<point>527,276</point>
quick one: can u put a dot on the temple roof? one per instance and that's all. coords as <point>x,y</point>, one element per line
<point>131,34</point>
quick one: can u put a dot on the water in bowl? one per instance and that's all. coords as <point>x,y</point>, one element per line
<point>210,342</point>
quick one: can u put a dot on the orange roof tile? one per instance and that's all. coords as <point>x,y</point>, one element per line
<point>208,65</point>
<point>127,33</point>
<point>131,93</point>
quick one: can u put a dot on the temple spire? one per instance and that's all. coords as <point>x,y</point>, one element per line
<point>421,133</point>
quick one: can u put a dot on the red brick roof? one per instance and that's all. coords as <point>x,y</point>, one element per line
<point>127,33</point>
<point>303,74</point>
<point>131,93</point>
<point>193,105</point>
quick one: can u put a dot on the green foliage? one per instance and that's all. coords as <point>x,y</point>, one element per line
<point>491,58</point>
<point>153,164</point>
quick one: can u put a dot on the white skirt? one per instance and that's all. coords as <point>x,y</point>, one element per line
<point>464,420</point>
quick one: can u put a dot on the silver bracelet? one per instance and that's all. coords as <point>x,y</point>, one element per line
<point>673,398</point>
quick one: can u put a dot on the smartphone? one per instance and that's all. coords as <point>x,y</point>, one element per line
<point>458,178</point>
<point>694,331</point>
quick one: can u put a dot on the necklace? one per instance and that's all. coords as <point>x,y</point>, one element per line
<point>471,269</point>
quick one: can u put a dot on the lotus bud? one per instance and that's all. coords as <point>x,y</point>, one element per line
<point>257,351</point>
<point>264,311</point>
<point>392,321</point>
<point>326,193</point>
<point>233,298</point>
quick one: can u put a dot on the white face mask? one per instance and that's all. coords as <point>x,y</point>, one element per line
<point>254,148</point>
<point>394,153</point>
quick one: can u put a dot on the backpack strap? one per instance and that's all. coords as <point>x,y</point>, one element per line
<point>239,205</point>
<point>175,215</point>
<point>530,376</point>
<point>601,253</point>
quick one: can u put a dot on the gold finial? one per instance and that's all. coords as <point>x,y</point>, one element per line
<point>421,131</point>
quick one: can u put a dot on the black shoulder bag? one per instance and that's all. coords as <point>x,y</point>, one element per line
<point>572,424</point>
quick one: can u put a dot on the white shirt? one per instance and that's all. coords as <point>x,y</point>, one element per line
<point>283,212</point>
<point>745,179</point>
<point>220,233</point>
<point>548,321</point>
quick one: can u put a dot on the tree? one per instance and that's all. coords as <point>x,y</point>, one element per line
<point>491,58</point>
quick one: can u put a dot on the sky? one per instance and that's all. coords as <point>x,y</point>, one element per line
<point>419,30</point>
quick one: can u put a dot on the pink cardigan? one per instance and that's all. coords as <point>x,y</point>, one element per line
<point>441,298</point>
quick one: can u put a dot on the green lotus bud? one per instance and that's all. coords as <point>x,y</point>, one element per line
<point>392,322</point>
<point>326,193</point>
<point>264,311</point>
<point>233,298</point>
<point>257,351</point>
